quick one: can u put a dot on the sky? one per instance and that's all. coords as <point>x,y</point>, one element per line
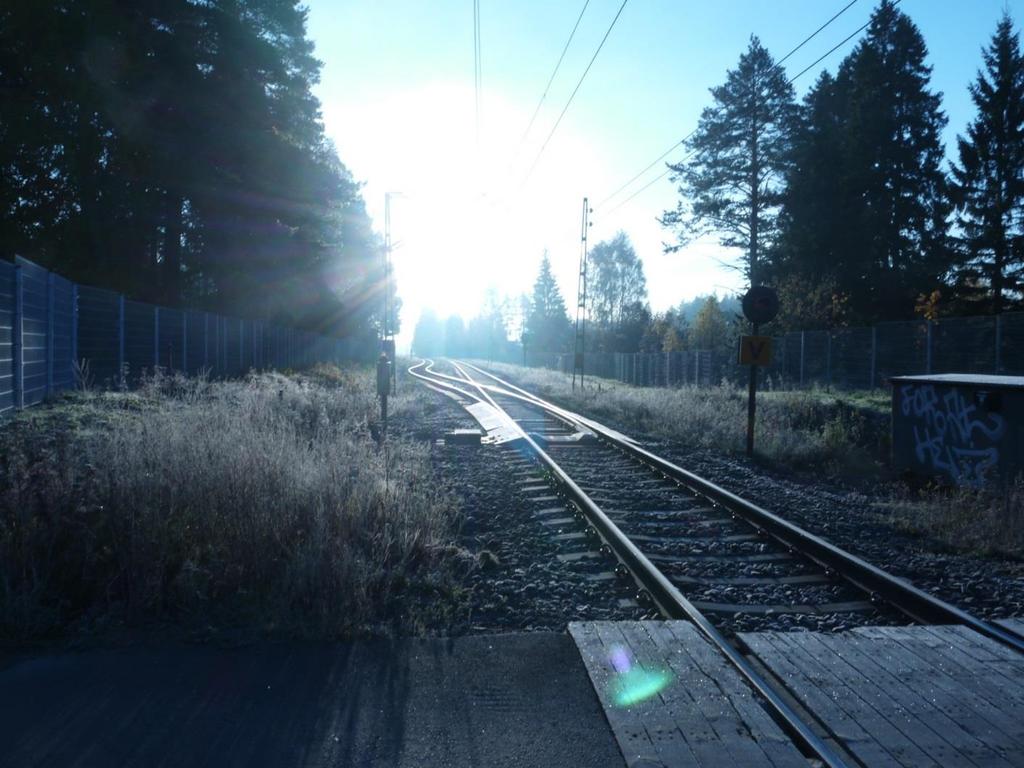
<point>475,211</point>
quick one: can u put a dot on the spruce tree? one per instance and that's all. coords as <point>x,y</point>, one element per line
<point>989,179</point>
<point>732,184</point>
<point>813,201</point>
<point>892,243</point>
<point>173,150</point>
<point>547,323</point>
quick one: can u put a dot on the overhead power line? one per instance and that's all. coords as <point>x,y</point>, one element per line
<point>683,140</point>
<point>836,47</point>
<point>551,79</point>
<point>574,92</point>
<point>644,188</point>
<point>814,34</point>
<point>477,69</point>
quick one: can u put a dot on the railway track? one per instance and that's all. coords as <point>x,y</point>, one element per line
<point>695,550</point>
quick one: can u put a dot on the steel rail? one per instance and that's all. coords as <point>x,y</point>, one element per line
<point>919,605</point>
<point>670,601</point>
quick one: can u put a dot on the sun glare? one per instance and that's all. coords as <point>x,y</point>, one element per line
<point>465,222</point>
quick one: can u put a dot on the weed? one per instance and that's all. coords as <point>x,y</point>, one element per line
<point>262,502</point>
<point>962,519</point>
<point>797,428</point>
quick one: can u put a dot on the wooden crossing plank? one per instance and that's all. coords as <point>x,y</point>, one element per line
<point>626,723</point>
<point>926,695</point>
<point>969,710</point>
<point>944,648</point>
<point>848,717</point>
<point>705,715</point>
<point>981,662</point>
<point>748,715</point>
<point>924,718</point>
<point>664,730</point>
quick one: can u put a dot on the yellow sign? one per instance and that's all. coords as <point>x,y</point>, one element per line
<point>755,350</point>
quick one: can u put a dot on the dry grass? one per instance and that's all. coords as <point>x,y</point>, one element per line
<point>797,428</point>
<point>963,519</point>
<point>262,503</point>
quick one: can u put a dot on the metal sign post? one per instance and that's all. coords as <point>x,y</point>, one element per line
<point>383,389</point>
<point>760,305</point>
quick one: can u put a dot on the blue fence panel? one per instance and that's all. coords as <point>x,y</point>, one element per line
<point>216,343</point>
<point>171,340</point>
<point>196,342</point>
<point>98,334</point>
<point>231,366</point>
<point>53,331</point>
<point>139,339</point>
<point>35,331</point>
<point>35,328</point>
<point>1011,341</point>
<point>65,316</point>
<point>6,336</point>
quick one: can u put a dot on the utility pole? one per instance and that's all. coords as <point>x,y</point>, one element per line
<point>387,334</point>
<point>581,298</point>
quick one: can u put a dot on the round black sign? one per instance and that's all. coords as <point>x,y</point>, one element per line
<point>760,304</point>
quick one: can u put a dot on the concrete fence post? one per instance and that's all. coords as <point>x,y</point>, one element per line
<point>156,338</point>
<point>16,341</point>
<point>49,332</point>
<point>120,340</point>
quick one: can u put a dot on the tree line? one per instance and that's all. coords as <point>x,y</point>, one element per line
<point>619,316</point>
<point>842,201</point>
<point>173,150</point>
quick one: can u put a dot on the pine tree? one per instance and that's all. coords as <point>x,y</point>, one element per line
<point>989,180</point>
<point>733,181</point>
<point>547,323</point>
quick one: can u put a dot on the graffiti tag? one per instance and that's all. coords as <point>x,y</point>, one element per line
<point>951,434</point>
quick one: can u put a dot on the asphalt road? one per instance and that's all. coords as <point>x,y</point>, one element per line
<point>489,700</point>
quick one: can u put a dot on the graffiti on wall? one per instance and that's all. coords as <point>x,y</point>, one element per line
<point>953,436</point>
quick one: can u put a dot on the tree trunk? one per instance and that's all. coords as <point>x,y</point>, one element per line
<point>755,191</point>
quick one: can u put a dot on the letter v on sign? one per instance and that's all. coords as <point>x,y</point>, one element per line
<point>756,350</point>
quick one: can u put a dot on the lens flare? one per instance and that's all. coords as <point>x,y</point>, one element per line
<point>634,684</point>
<point>620,660</point>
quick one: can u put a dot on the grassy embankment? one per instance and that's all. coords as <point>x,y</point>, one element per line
<point>841,433</point>
<point>263,504</point>
<point>809,428</point>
